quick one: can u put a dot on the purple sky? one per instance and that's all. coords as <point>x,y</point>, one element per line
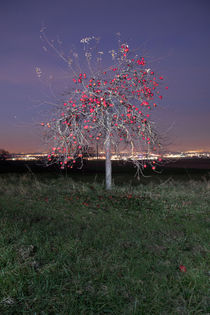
<point>175,34</point>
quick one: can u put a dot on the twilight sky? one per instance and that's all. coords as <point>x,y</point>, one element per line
<point>174,34</point>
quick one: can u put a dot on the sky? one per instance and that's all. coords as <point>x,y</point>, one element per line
<point>173,34</point>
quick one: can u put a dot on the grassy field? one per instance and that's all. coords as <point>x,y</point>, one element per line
<point>69,247</point>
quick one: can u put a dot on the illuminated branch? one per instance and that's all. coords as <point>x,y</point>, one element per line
<point>111,107</point>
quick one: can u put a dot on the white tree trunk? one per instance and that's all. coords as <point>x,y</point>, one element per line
<point>108,163</point>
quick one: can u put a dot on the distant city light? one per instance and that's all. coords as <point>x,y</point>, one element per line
<point>124,156</point>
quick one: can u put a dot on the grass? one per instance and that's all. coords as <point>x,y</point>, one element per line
<point>69,247</point>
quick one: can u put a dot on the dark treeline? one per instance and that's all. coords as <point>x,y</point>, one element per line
<point>179,166</point>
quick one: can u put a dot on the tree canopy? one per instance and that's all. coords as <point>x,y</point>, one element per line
<point>109,107</point>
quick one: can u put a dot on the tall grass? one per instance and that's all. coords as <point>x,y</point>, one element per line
<point>69,247</point>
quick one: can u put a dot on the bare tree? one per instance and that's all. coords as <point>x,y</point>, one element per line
<point>111,107</point>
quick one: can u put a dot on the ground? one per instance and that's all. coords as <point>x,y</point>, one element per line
<point>69,247</point>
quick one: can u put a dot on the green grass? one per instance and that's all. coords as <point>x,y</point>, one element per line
<point>68,247</point>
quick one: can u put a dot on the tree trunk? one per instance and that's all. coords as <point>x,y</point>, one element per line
<point>108,163</point>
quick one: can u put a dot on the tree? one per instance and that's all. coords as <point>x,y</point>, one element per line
<point>3,154</point>
<point>110,107</point>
